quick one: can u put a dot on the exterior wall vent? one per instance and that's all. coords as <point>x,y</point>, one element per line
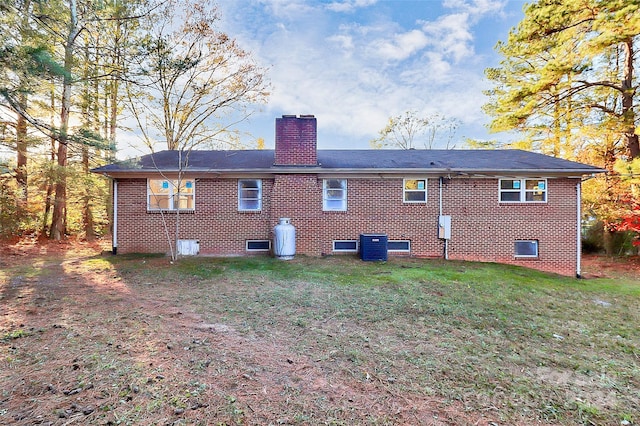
<point>188,247</point>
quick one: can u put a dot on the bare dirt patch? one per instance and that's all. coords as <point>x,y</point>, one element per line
<point>88,338</point>
<point>81,344</point>
<point>599,266</point>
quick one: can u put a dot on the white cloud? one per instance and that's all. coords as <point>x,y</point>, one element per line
<point>451,35</point>
<point>353,72</point>
<point>475,8</point>
<point>288,9</point>
<point>344,42</point>
<point>349,5</point>
<point>399,46</point>
<point>434,70</point>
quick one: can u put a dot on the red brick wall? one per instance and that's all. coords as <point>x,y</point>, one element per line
<point>296,140</point>
<point>216,222</point>
<point>482,228</point>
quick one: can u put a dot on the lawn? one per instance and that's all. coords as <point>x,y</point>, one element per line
<point>92,338</point>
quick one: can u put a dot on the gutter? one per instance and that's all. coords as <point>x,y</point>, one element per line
<point>446,241</point>
<point>578,229</point>
<point>576,173</point>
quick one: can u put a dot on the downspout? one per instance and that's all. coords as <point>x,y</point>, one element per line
<point>578,229</point>
<point>446,241</point>
<point>115,217</point>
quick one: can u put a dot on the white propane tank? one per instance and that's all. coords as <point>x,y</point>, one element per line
<point>284,239</point>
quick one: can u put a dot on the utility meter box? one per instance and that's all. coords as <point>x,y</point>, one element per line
<point>444,227</point>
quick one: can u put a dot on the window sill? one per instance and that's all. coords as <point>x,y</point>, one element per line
<point>190,211</point>
<point>511,203</point>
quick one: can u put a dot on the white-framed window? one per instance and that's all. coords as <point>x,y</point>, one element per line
<point>345,246</point>
<point>249,195</point>
<point>399,246</point>
<point>414,190</point>
<point>170,194</point>
<point>258,245</point>
<point>523,190</point>
<point>526,248</point>
<point>334,195</point>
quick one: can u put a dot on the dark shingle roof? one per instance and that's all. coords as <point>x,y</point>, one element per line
<point>355,161</point>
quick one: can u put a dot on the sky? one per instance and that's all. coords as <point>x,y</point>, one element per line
<point>355,63</point>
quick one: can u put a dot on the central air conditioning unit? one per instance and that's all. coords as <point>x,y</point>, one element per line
<point>373,247</point>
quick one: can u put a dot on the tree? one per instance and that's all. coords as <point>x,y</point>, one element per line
<point>569,64</point>
<point>402,131</point>
<point>63,64</point>
<point>191,75</point>
<point>55,54</point>
<point>21,48</point>
<point>567,83</point>
<point>25,65</point>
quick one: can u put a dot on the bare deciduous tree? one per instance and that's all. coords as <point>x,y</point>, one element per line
<point>410,131</point>
<point>190,76</point>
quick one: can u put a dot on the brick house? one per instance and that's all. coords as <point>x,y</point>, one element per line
<point>507,206</point>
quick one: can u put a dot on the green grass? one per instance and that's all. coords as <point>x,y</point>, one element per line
<point>533,344</point>
<point>518,345</point>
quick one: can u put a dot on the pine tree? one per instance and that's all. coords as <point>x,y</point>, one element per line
<point>569,65</point>
<point>567,83</point>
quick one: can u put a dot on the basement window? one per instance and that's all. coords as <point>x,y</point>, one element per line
<point>399,246</point>
<point>345,246</point>
<point>526,248</point>
<point>258,245</point>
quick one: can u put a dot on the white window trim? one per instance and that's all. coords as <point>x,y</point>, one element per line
<point>404,190</point>
<point>345,250</point>
<point>523,191</point>
<point>527,256</point>
<point>324,195</point>
<point>240,199</point>
<point>408,250</point>
<point>173,184</point>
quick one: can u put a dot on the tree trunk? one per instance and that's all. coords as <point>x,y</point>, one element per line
<point>87,214</point>
<point>21,151</point>
<point>628,115</point>
<point>607,241</point>
<point>50,180</point>
<point>21,123</point>
<point>58,221</point>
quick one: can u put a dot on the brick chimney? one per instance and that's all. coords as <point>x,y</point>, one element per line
<point>296,141</point>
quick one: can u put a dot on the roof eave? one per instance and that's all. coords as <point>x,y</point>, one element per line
<point>354,171</point>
